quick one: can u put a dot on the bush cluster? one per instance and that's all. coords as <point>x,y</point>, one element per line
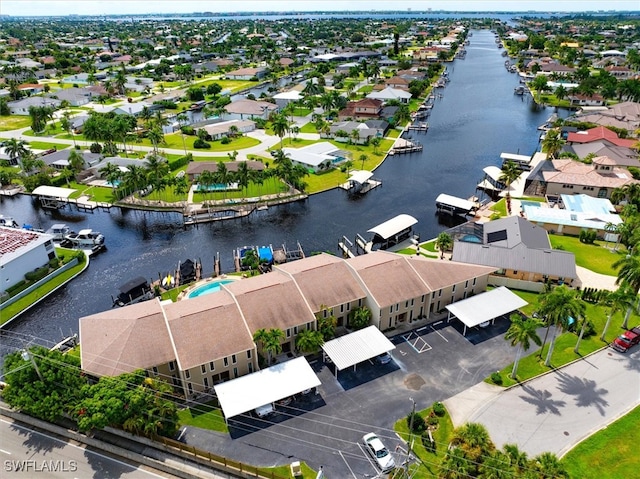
<point>201,144</point>
<point>37,274</point>
<point>587,237</point>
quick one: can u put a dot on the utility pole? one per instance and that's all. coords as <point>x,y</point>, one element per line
<point>27,356</point>
<point>409,444</point>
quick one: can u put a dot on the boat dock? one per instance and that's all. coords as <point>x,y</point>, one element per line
<point>455,206</point>
<point>360,182</point>
<point>209,216</point>
<point>405,146</point>
<point>419,127</point>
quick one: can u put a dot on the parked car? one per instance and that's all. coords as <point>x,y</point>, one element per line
<point>625,341</point>
<point>380,454</point>
<point>264,411</point>
<point>383,358</point>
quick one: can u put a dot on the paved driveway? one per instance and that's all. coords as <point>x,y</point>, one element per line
<point>556,411</point>
<point>435,363</point>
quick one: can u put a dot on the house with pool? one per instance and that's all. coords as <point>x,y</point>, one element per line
<point>207,337</point>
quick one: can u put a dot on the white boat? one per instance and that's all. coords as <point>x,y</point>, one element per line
<point>59,231</point>
<point>85,238</point>
<point>8,221</point>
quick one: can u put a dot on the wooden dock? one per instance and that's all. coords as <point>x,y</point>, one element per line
<point>419,127</point>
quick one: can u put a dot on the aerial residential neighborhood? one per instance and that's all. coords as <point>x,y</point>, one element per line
<point>321,244</point>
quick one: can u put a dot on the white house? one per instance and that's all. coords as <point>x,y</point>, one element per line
<point>316,157</point>
<point>389,94</point>
<point>22,251</point>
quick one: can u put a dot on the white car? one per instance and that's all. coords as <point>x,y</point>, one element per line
<point>380,454</point>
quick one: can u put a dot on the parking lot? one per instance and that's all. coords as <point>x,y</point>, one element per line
<point>431,362</point>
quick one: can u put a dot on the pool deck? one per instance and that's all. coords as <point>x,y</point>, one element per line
<point>184,294</point>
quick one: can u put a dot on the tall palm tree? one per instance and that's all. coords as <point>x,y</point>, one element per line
<point>309,341</point>
<point>496,466</point>
<point>243,175</point>
<point>76,160</point>
<point>508,174</point>
<point>206,179</point>
<point>521,332</point>
<point>548,466</point>
<point>557,306</point>
<point>222,176</point>
<point>552,143</point>
<point>272,342</point>
<point>280,126</point>
<point>15,148</point>
<point>618,300</point>
<point>474,440</point>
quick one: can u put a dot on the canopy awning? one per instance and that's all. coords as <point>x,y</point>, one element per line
<point>493,172</point>
<point>455,202</point>
<point>53,191</point>
<point>356,347</point>
<point>360,176</point>
<point>393,226</point>
<point>264,387</point>
<point>485,307</point>
<point>515,157</point>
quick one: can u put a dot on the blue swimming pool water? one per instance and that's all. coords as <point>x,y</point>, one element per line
<point>471,239</point>
<point>534,204</point>
<point>208,288</point>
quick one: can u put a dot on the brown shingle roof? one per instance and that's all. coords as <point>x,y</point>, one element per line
<point>442,274</point>
<point>324,280</point>
<point>207,328</point>
<point>121,340</point>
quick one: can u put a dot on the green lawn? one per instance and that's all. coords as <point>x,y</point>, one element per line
<point>270,187</point>
<point>429,467</point>
<point>23,303</point>
<point>596,257</point>
<point>292,143</point>
<point>14,122</point>
<point>393,133</point>
<point>308,128</point>
<point>174,140</point>
<point>45,145</point>
<point>500,207</point>
<point>531,365</point>
<point>205,416</point>
<point>589,461</point>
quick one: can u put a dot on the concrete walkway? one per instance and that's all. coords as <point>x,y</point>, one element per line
<point>556,411</point>
<point>590,279</point>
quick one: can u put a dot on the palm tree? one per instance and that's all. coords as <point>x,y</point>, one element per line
<point>509,173</point>
<point>65,124</point>
<point>111,173</point>
<point>206,179</point>
<point>15,148</point>
<point>517,458</point>
<point>552,143</point>
<point>156,137</point>
<point>455,465</point>
<point>363,157</point>
<point>222,176</point>
<point>271,342</point>
<point>473,439</point>
<point>521,332</point>
<point>496,466</point>
<point>618,300</point>
<point>280,126</point>
<point>443,243</point>
<point>548,466</point>
<point>309,341</point>
<point>243,175</point>
<point>76,160</point>
<point>557,306</point>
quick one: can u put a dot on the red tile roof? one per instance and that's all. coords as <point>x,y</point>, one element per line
<point>599,133</point>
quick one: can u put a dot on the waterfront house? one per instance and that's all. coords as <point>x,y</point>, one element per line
<point>557,177</point>
<point>619,155</point>
<point>244,109</point>
<point>625,115</point>
<point>389,94</point>
<point>316,157</point>
<point>579,99</point>
<point>364,109</point>
<point>247,74</point>
<point>22,251</point>
<point>519,250</point>
<point>599,133</point>
<point>365,132</point>
<point>196,168</point>
<point>198,342</point>
<point>225,128</point>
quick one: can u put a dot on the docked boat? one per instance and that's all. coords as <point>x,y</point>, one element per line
<point>59,231</point>
<point>519,90</point>
<point>133,291</point>
<point>86,238</point>
<point>8,221</point>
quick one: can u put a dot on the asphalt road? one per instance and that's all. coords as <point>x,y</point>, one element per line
<point>28,453</point>
<point>429,364</point>
<point>556,411</point>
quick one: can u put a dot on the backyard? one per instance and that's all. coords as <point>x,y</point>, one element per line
<point>597,257</point>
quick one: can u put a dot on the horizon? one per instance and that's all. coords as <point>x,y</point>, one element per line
<point>57,8</point>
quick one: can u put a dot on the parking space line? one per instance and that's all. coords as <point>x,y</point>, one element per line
<point>439,334</point>
<point>345,461</point>
<point>413,338</point>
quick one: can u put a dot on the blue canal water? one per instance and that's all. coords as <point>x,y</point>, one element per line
<point>477,118</point>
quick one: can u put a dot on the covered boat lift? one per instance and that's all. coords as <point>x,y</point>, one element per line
<point>249,392</point>
<point>53,197</point>
<point>356,347</point>
<point>454,205</point>
<point>391,232</point>
<point>360,182</point>
<point>485,307</point>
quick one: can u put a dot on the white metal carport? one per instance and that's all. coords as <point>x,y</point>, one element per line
<point>53,197</point>
<point>485,307</point>
<point>263,387</point>
<point>351,349</point>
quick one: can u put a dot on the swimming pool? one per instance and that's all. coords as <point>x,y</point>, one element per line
<point>533,204</point>
<point>208,288</point>
<point>471,239</point>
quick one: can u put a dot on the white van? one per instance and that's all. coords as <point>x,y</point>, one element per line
<point>265,410</point>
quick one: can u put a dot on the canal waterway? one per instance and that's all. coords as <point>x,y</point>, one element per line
<point>477,118</point>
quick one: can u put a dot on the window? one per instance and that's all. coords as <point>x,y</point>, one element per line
<point>249,354</point>
<point>288,332</point>
<point>439,293</point>
<point>433,296</point>
<point>397,306</point>
<point>250,367</point>
<point>390,309</point>
<point>226,362</point>
<point>190,388</point>
<point>205,382</point>
<point>187,374</point>
<point>295,330</point>
<point>454,289</point>
<point>155,371</point>
<point>515,271</point>
<point>233,359</point>
<point>342,308</point>
<point>411,301</point>
<point>406,304</point>
<point>360,303</point>
<point>212,366</point>
<point>474,281</point>
<point>466,284</point>
<point>172,367</point>
<point>235,372</point>
<point>203,368</point>
<point>348,306</point>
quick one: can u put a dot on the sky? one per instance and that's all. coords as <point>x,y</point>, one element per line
<point>94,7</point>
